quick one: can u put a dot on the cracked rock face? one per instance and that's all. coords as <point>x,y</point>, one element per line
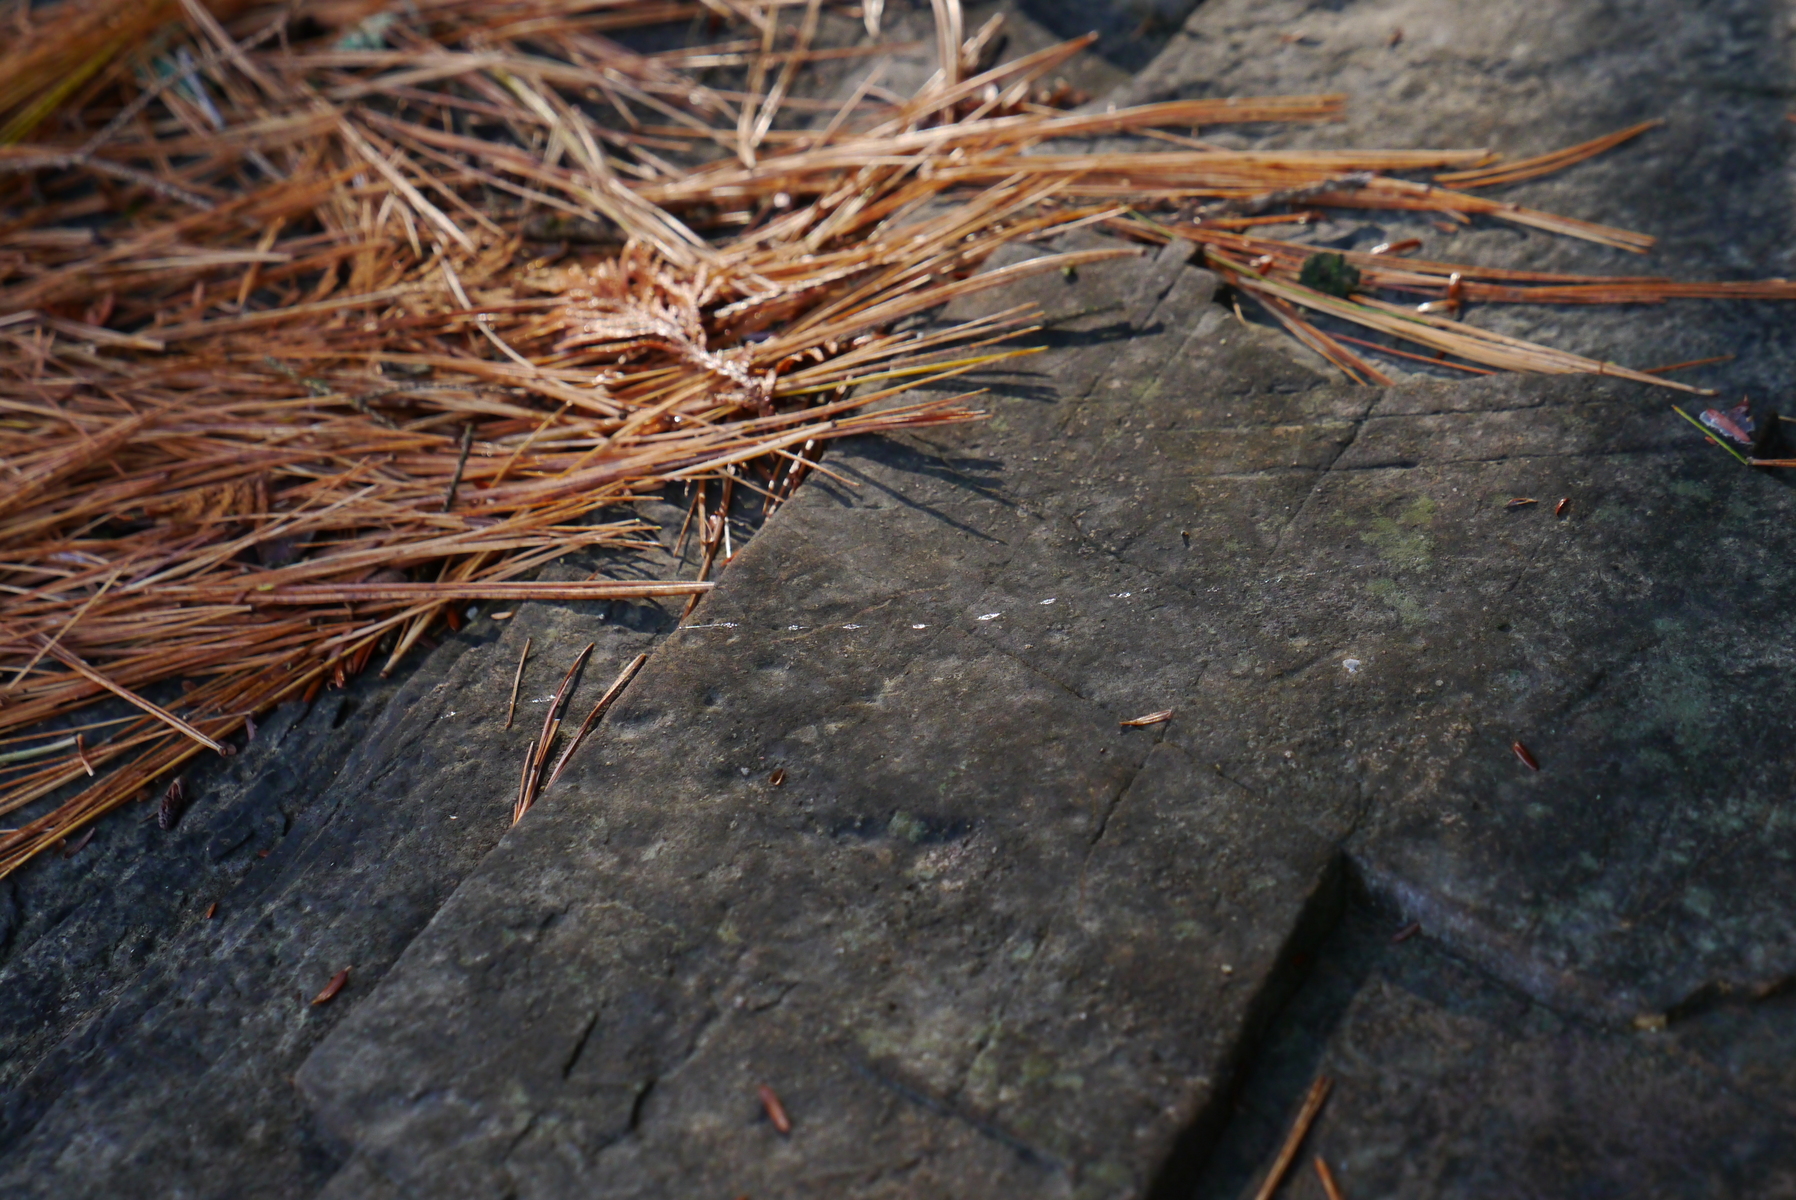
<point>981,937</point>
<point>870,832</point>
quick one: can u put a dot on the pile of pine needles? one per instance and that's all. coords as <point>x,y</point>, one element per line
<point>290,374</point>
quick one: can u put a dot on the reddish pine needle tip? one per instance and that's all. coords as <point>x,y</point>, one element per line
<point>1327,1177</point>
<point>776,1112</point>
<point>1300,1128</point>
<point>332,988</point>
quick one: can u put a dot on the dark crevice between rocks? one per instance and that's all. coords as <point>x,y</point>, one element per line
<point>1428,1050</point>
<point>641,1102</point>
<point>1269,1085</point>
<point>1206,1137</point>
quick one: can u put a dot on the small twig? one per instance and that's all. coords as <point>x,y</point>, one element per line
<point>155,88</point>
<point>31,752</point>
<point>511,709</point>
<point>1306,1116</point>
<point>54,162</point>
<point>1706,433</point>
<point>698,498</point>
<point>66,626</point>
<point>712,540</point>
<point>521,805</point>
<point>1679,366</point>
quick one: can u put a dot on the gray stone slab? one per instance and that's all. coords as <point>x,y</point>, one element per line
<point>977,935</point>
<point>1714,185</point>
<point>933,937</point>
<point>973,891</point>
<point>149,1049</point>
<point>1448,1084</point>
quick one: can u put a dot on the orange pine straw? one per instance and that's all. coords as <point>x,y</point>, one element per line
<point>1545,164</point>
<point>297,359</point>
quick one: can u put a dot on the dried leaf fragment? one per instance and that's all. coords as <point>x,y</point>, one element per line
<point>174,803</point>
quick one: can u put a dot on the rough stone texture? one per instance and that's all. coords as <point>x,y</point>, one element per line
<point>1449,1085</point>
<point>982,940</point>
<point>1715,185</point>
<point>974,887</point>
<point>932,938</point>
<point>140,1064</point>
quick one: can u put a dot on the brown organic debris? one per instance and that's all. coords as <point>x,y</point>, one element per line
<point>776,1112</point>
<point>1329,1186</point>
<point>332,988</point>
<point>517,680</point>
<point>598,710</point>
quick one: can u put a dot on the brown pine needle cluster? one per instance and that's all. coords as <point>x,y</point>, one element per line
<point>319,322</point>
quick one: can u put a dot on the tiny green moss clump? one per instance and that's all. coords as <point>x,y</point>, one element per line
<point>1329,273</point>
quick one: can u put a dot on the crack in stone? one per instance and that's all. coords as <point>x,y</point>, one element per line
<point>1322,473</point>
<point>1033,1155</point>
<point>1114,804</point>
<point>1706,997</point>
<point>641,1101</point>
<point>1047,928</point>
<point>1581,455</point>
<point>567,1066</point>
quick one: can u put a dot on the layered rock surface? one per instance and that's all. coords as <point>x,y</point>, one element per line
<point>980,937</point>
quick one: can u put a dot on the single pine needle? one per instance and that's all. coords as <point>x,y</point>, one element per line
<point>517,679</point>
<point>611,693</point>
<point>1300,1128</point>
